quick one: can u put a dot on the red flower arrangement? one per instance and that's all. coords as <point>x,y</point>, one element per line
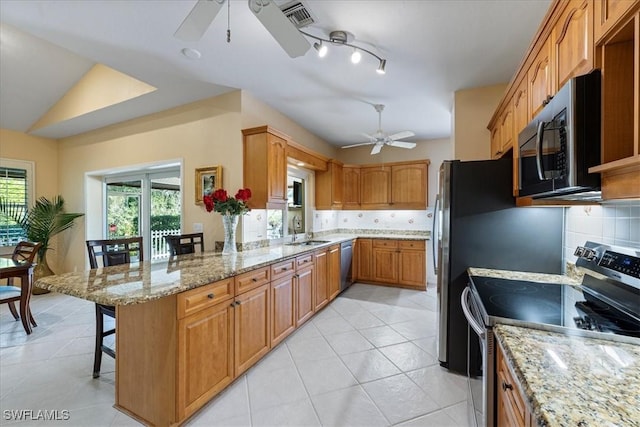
<point>219,201</point>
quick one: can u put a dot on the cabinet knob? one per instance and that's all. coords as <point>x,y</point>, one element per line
<point>211,296</point>
<point>506,386</point>
<point>284,268</point>
<point>237,302</point>
<point>254,279</point>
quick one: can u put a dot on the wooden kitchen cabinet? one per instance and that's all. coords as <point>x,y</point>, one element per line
<point>321,294</point>
<point>351,187</point>
<point>385,260</point>
<point>496,142</point>
<point>540,79</point>
<point>412,264</point>
<point>265,167</point>
<point>409,185</point>
<point>364,259</point>
<point>283,300</point>
<point>329,186</point>
<point>375,187</point>
<point>305,288</point>
<point>506,130</point>
<point>205,356</point>
<point>572,39</point>
<point>510,403</point>
<point>334,271</point>
<point>608,13</point>
<point>252,327</point>
<point>521,118</point>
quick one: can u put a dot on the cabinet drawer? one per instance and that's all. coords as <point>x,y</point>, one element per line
<point>511,392</point>
<point>412,244</point>
<point>205,296</point>
<point>252,279</point>
<point>385,243</point>
<point>304,260</point>
<point>282,269</point>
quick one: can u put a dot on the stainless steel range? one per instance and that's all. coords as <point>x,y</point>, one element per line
<point>606,305</point>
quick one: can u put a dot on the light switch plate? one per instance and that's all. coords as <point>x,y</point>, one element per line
<point>197,227</point>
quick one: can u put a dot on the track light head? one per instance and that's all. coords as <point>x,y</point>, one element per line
<point>381,67</point>
<point>321,48</point>
<point>356,56</point>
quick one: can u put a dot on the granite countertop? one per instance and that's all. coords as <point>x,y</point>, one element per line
<point>572,380</point>
<point>140,282</point>
<point>573,277</point>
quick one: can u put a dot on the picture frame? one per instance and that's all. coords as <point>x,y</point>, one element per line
<point>208,179</point>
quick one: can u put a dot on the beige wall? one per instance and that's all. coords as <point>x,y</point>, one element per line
<point>205,133</point>
<point>473,109</point>
<point>256,113</point>
<point>436,150</point>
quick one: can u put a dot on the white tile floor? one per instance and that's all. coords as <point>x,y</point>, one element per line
<point>367,359</point>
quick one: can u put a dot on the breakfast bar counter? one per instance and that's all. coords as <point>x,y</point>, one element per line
<point>573,380</point>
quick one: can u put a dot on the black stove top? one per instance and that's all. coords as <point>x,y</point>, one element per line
<point>552,304</point>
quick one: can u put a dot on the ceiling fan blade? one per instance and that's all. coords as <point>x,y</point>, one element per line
<point>359,145</point>
<point>402,135</point>
<point>198,20</point>
<point>376,148</point>
<point>401,144</point>
<point>283,30</point>
<point>371,137</point>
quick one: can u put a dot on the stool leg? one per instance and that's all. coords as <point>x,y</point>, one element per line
<point>97,359</point>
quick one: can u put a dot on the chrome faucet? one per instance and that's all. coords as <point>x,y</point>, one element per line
<point>295,220</point>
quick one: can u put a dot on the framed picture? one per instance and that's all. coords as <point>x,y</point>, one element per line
<point>208,180</point>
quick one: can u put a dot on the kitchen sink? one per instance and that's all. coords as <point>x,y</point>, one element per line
<point>307,243</point>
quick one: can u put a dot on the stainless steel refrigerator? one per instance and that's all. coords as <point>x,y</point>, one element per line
<point>476,224</point>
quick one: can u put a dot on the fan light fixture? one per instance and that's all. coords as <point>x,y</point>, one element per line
<point>341,38</point>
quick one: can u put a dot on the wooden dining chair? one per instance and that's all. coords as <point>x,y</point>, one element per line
<point>185,243</point>
<point>106,253</point>
<point>9,294</point>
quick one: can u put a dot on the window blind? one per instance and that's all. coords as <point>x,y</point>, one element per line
<point>14,187</point>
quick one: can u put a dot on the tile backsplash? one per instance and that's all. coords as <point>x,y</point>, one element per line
<point>617,224</point>
<point>405,220</point>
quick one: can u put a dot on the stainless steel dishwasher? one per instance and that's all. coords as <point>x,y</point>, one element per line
<point>346,252</point>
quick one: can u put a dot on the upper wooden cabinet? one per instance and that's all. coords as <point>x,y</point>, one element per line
<point>608,13</point>
<point>375,187</point>
<point>409,186</point>
<point>539,77</point>
<point>572,39</point>
<point>521,118</point>
<point>351,187</point>
<point>265,167</point>
<point>329,186</point>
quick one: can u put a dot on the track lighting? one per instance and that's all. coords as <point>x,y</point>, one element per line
<point>321,48</point>
<point>341,38</point>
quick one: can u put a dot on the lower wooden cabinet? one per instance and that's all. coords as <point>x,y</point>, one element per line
<point>391,262</point>
<point>322,278</point>
<point>412,263</point>
<point>202,373</point>
<point>305,301</point>
<point>364,259</point>
<point>334,272</point>
<point>283,303</point>
<point>385,261</point>
<point>510,404</point>
<point>252,327</point>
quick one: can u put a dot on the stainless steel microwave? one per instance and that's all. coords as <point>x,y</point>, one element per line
<point>562,142</point>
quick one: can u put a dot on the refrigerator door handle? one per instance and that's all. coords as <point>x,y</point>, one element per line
<point>475,325</point>
<point>435,233</point>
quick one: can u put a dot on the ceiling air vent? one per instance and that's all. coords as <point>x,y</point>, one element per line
<point>298,13</point>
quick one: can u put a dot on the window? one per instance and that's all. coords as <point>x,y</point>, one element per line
<point>16,185</point>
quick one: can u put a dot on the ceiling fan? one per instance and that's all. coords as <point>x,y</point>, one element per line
<point>381,138</point>
<point>268,13</point>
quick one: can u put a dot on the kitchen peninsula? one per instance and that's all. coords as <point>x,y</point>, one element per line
<point>188,327</point>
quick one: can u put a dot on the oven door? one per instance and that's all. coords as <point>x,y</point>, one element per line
<point>480,396</point>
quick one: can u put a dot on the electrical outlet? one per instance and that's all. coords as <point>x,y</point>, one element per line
<point>197,227</point>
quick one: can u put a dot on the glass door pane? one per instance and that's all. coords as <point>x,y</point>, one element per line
<point>165,208</point>
<point>124,204</point>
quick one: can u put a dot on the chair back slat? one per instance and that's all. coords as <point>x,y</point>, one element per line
<point>25,251</point>
<point>114,251</point>
<point>185,243</point>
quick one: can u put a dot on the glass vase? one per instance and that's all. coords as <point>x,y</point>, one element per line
<point>230,223</point>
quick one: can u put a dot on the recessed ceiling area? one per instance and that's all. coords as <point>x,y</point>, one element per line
<point>432,48</point>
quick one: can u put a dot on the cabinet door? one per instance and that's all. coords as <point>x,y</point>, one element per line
<point>364,264</point>
<point>539,76</point>
<point>608,13</point>
<point>512,410</point>
<point>385,261</point>
<point>305,282</point>
<point>322,278</point>
<point>506,130</point>
<point>329,186</point>
<point>375,187</point>
<point>205,356</point>
<point>521,119</point>
<point>412,271</point>
<point>495,141</point>
<point>351,187</point>
<point>573,41</point>
<point>252,321</point>
<point>277,170</point>
<point>334,271</point>
<point>283,302</point>
<point>409,186</point>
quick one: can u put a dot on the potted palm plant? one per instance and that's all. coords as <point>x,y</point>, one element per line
<point>40,223</point>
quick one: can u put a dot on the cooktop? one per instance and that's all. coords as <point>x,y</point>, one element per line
<point>553,304</point>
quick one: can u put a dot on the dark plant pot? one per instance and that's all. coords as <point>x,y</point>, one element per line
<point>41,269</point>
